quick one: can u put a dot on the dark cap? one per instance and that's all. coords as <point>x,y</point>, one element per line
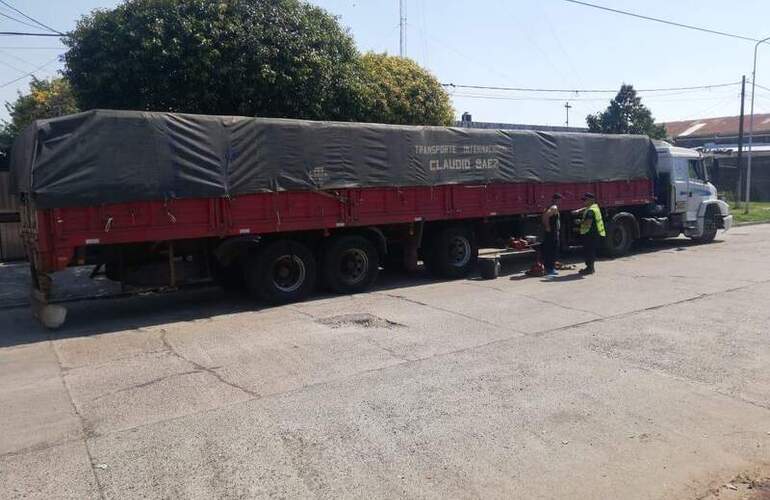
<point>556,196</point>
<point>588,196</point>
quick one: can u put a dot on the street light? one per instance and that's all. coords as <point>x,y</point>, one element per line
<point>751,124</point>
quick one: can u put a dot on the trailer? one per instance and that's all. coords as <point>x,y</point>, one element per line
<point>278,207</point>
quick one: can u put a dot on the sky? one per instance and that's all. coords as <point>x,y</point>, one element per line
<point>512,43</point>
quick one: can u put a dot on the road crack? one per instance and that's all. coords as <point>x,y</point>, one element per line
<point>440,309</point>
<point>86,431</point>
<point>148,383</point>
<point>199,367</point>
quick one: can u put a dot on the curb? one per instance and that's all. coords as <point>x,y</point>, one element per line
<point>753,223</point>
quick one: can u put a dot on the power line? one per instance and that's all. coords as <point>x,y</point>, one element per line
<point>759,86</point>
<point>657,98</point>
<point>9,65</point>
<point>31,73</point>
<point>20,59</point>
<point>19,20</point>
<point>30,18</point>
<point>19,47</point>
<point>663,21</point>
<point>586,91</point>
<point>19,33</point>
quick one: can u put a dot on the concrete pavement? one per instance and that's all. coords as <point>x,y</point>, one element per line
<point>650,379</point>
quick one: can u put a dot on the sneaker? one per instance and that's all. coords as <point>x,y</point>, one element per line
<point>585,271</point>
<point>553,273</point>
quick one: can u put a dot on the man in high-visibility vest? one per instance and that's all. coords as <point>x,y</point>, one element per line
<point>591,232</point>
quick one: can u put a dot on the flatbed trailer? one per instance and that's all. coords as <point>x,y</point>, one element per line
<point>60,237</point>
<point>254,212</point>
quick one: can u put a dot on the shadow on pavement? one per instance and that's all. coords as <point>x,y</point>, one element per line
<point>575,276</point>
<point>96,307</point>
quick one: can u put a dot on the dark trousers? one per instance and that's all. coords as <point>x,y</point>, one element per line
<point>590,247</point>
<point>550,251</point>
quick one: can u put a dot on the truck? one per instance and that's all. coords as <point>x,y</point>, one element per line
<point>279,207</point>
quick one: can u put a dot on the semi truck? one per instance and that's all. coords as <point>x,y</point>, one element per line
<point>279,207</point>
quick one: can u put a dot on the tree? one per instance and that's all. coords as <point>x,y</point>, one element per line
<point>626,115</point>
<point>398,90</point>
<point>244,57</point>
<point>46,99</point>
<point>276,58</point>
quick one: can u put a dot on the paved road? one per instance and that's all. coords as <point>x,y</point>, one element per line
<point>649,380</point>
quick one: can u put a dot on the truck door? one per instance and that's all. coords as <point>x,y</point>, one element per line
<point>697,187</point>
<point>681,185</point>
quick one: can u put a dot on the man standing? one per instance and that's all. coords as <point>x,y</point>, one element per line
<point>591,232</point>
<point>551,227</point>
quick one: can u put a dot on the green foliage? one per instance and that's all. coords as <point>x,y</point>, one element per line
<point>626,115</point>
<point>46,99</point>
<point>398,90</point>
<point>243,57</point>
<point>276,58</point>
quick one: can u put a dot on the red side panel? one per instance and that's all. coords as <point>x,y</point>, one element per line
<point>61,231</point>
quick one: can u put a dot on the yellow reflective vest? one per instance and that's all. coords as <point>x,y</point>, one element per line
<point>585,224</point>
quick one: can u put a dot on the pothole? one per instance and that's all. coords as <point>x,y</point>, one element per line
<point>362,320</point>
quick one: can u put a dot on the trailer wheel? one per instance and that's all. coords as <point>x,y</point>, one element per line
<point>619,237</point>
<point>231,276</point>
<point>284,271</point>
<point>350,264</point>
<point>452,253</point>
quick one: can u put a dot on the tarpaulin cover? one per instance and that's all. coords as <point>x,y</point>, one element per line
<point>100,157</point>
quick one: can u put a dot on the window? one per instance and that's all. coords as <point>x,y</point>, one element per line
<point>680,170</point>
<point>695,170</point>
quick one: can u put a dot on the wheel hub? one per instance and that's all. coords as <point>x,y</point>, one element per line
<point>354,266</point>
<point>459,251</point>
<point>289,273</point>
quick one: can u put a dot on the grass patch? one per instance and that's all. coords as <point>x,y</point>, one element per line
<point>758,212</point>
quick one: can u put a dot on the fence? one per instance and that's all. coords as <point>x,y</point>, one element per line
<point>11,247</point>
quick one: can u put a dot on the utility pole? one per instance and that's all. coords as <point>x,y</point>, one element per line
<point>739,164</point>
<point>567,106</point>
<point>402,25</point>
<point>747,194</point>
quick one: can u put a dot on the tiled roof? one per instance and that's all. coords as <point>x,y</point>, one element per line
<point>716,127</point>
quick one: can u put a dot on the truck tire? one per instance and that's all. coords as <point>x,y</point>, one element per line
<point>619,237</point>
<point>452,252</point>
<point>230,277</point>
<point>350,264</point>
<point>283,271</point>
<point>710,226</point>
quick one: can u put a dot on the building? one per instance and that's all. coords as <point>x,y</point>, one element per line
<point>467,122</point>
<point>717,138</point>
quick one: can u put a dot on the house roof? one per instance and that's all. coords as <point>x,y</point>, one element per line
<point>518,126</point>
<point>716,127</point>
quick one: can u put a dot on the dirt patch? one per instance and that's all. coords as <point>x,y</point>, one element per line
<point>742,487</point>
<point>363,320</point>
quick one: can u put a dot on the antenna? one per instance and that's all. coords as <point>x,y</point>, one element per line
<point>567,106</point>
<point>402,25</point>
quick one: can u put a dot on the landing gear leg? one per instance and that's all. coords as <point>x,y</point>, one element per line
<point>52,316</point>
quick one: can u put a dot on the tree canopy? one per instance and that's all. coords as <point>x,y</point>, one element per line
<point>276,58</point>
<point>626,115</point>
<point>398,90</point>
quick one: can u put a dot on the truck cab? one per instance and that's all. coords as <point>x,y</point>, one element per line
<point>686,196</point>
